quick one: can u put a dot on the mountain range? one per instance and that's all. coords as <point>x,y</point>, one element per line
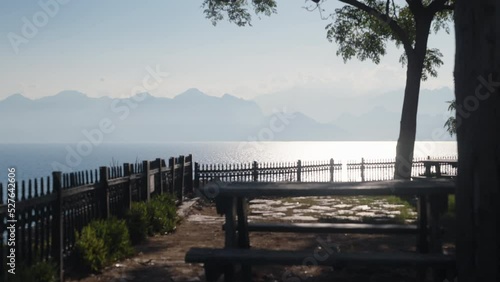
<point>71,116</point>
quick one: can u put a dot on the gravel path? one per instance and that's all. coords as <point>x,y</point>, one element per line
<point>162,257</point>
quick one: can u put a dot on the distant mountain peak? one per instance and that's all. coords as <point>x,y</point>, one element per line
<point>70,93</point>
<point>229,96</point>
<point>17,97</point>
<point>144,95</point>
<point>191,93</point>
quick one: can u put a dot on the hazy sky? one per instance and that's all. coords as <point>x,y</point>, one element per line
<point>104,48</point>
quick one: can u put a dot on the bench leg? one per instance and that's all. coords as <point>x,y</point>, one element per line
<point>242,212</point>
<point>243,235</point>
<point>213,272</point>
<point>229,273</point>
<point>421,273</point>
<point>246,272</point>
<point>422,237</point>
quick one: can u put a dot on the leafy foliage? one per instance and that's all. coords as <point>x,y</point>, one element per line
<point>138,222</point>
<point>361,28</point>
<point>90,250</point>
<point>451,123</point>
<point>236,11</point>
<point>102,242</point>
<point>39,271</point>
<point>162,214</point>
<point>116,238</point>
<point>156,216</point>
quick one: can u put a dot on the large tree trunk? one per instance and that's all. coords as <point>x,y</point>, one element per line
<point>408,124</point>
<point>477,82</point>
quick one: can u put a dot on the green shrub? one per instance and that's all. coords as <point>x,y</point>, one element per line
<point>90,250</point>
<point>117,239</point>
<point>45,271</point>
<point>162,214</point>
<point>40,271</point>
<point>138,222</point>
<point>101,242</point>
<point>159,215</point>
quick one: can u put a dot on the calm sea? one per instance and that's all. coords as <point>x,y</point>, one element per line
<point>39,160</point>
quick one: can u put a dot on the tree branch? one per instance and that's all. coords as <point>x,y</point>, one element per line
<point>440,5</point>
<point>401,33</point>
<point>414,5</point>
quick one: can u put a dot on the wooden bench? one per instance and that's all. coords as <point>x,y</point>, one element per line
<point>218,261</point>
<point>357,228</point>
<point>231,201</point>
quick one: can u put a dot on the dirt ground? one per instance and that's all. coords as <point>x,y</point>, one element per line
<point>161,258</point>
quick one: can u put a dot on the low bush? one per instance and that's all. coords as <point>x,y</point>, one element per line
<point>117,239</point>
<point>162,214</point>
<point>101,242</point>
<point>90,250</point>
<point>40,271</point>
<point>159,215</point>
<point>138,222</point>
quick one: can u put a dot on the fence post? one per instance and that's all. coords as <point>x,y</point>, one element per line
<point>332,167</point>
<point>299,171</point>
<point>362,169</point>
<point>197,176</point>
<point>146,169</point>
<point>171,165</point>
<point>127,171</point>
<point>255,171</point>
<point>189,176</point>
<point>180,187</point>
<point>57,224</point>
<point>2,243</point>
<point>160,176</point>
<point>104,191</point>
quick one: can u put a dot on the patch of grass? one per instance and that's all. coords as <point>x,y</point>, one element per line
<point>451,204</point>
<point>406,210</point>
<point>308,201</point>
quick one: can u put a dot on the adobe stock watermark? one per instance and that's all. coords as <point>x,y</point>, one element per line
<point>277,123</point>
<point>324,250</point>
<point>471,103</point>
<point>122,108</point>
<point>31,26</point>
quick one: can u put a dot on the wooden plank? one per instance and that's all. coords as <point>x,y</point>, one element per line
<point>357,228</point>
<point>292,189</point>
<point>301,257</point>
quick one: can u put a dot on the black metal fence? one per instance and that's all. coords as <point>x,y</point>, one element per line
<point>312,171</point>
<point>322,171</point>
<point>46,213</point>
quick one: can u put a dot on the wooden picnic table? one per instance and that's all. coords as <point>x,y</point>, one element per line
<point>429,163</point>
<point>232,202</point>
